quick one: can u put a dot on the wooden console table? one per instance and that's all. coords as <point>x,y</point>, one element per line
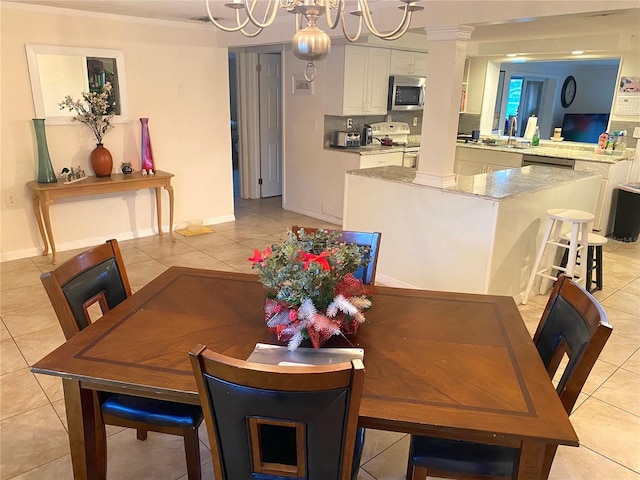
<point>44,194</point>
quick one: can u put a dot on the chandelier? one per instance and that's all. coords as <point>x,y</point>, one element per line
<point>310,43</point>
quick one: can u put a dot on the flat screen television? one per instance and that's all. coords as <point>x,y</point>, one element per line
<point>584,127</point>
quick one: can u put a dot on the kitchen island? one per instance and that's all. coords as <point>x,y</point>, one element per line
<point>473,158</point>
<point>480,236</point>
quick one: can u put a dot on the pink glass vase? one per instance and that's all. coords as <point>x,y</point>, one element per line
<point>146,152</point>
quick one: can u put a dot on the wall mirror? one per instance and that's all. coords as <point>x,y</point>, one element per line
<point>57,71</point>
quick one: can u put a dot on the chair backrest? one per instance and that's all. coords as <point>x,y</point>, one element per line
<point>372,239</point>
<point>573,324</point>
<point>269,421</point>
<point>97,275</point>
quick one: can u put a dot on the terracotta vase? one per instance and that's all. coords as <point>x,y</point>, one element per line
<point>101,161</point>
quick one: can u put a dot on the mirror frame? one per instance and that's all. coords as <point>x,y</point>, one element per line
<point>36,85</point>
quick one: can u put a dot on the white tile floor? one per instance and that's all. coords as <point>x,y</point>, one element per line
<point>33,437</point>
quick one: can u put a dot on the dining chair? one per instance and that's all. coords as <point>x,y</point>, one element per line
<point>573,324</point>
<point>371,239</point>
<point>273,422</point>
<point>98,276</point>
<point>368,277</point>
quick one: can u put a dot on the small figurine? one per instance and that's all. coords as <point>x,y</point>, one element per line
<point>72,175</point>
<point>126,168</point>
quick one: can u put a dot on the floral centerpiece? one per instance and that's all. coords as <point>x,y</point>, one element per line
<point>311,288</point>
<point>92,110</point>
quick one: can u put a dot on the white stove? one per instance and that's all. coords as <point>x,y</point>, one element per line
<point>400,134</point>
<point>397,131</point>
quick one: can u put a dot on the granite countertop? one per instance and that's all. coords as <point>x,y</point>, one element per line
<point>547,148</point>
<point>369,149</point>
<point>498,185</point>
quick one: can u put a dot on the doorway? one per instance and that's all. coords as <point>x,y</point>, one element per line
<point>258,82</point>
<point>233,115</point>
<point>270,124</point>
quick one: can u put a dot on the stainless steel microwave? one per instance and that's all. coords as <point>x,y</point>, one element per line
<point>406,93</point>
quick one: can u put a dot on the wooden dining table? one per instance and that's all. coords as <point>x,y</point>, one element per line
<point>445,364</point>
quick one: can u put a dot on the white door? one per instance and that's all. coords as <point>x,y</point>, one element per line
<point>270,126</point>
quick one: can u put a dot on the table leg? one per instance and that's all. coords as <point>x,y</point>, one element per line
<point>38,213</point>
<point>44,205</point>
<point>169,190</point>
<point>159,209</point>
<point>533,461</point>
<point>87,436</point>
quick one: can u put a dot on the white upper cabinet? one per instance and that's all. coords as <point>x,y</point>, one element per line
<point>408,63</point>
<point>357,81</point>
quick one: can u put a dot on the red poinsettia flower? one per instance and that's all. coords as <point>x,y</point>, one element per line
<point>308,258</point>
<point>258,256</point>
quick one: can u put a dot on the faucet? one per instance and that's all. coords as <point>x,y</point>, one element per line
<point>513,128</point>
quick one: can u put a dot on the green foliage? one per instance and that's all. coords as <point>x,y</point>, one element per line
<point>291,273</point>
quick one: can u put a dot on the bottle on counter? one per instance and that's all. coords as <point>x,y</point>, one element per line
<point>621,141</point>
<point>535,140</point>
<point>609,148</point>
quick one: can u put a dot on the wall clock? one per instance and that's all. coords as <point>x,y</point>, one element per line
<point>568,93</point>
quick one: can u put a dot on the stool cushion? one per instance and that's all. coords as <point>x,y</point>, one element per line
<point>568,215</point>
<point>158,412</point>
<point>594,239</point>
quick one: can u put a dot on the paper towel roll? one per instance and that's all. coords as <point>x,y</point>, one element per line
<point>532,123</point>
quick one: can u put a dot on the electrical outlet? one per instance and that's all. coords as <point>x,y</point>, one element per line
<point>11,198</point>
<point>415,121</point>
<point>349,122</point>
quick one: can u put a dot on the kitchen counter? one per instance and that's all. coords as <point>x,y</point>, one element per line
<point>548,148</point>
<point>495,186</point>
<point>369,149</point>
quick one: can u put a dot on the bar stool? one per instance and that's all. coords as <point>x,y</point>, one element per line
<point>553,237</point>
<point>594,260</point>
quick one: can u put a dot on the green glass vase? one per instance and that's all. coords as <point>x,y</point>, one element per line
<point>45,169</point>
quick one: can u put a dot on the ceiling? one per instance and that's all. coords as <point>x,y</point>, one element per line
<point>621,22</point>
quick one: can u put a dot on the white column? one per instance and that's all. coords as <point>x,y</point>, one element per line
<point>445,69</point>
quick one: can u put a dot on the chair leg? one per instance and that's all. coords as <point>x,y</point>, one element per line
<point>192,453</point>
<point>598,254</point>
<point>141,434</point>
<point>536,263</point>
<point>419,473</point>
<point>410,469</point>
<point>357,453</point>
<point>589,274</point>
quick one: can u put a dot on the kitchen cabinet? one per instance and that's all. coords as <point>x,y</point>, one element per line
<point>358,81</point>
<point>612,175</point>
<point>336,163</point>
<point>474,161</point>
<point>408,63</point>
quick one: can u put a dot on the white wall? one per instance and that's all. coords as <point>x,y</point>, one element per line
<point>303,139</point>
<point>176,77</point>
